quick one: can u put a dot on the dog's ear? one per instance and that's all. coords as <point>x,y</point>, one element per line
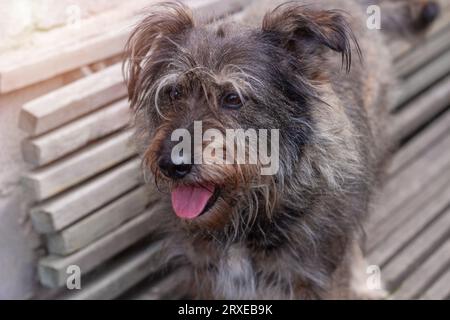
<point>308,31</point>
<point>165,21</point>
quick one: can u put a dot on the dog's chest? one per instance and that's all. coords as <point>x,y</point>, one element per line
<point>235,278</point>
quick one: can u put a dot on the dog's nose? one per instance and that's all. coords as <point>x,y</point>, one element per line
<point>172,170</point>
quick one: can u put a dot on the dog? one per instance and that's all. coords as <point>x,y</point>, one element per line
<point>320,77</point>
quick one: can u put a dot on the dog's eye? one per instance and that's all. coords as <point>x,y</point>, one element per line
<point>175,93</point>
<point>232,101</point>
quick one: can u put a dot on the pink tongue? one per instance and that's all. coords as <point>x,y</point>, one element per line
<point>188,201</point>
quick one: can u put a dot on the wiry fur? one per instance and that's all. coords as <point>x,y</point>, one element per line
<point>314,72</point>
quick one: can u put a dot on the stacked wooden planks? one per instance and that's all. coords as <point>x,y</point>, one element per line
<point>408,236</point>
<point>89,201</point>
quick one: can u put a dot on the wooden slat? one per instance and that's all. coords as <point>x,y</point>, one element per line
<point>408,210</point>
<point>415,222</point>
<point>72,101</point>
<point>213,9</point>
<point>60,142</point>
<point>52,269</point>
<point>400,47</point>
<point>411,181</point>
<point>415,284</point>
<point>49,62</point>
<point>427,51</point>
<point>65,173</point>
<point>101,222</point>
<point>165,288</point>
<point>122,275</point>
<point>65,209</point>
<point>418,247</point>
<point>432,72</point>
<point>440,290</point>
<point>422,109</point>
<point>420,143</point>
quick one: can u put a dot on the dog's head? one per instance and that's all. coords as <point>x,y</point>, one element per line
<point>186,77</point>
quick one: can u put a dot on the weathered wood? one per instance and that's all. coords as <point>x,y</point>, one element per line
<point>415,205</point>
<point>400,47</point>
<point>420,143</point>
<point>209,10</point>
<point>427,51</point>
<point>166,288</point>
<point>65,209</point>
<point>415,222</point>
<point>63,174</point>
<point>122,275</point>
<point>432,72</point>
<point>72,101</point>
<point>101,222</point>
<point>62,141</point>
<point>411,181</point>
<point>421,109</point>
<point>420,241</point>
<point>422,277</point>
<point>440,290</point>
<point>49,62</point>
<point>52,269</point>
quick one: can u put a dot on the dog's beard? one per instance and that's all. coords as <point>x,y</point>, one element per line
<point>230,199</point>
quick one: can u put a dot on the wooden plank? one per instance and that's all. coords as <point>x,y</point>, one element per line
<point>66,57</point>
<point>420,143</point>
<point>72,101</point>
<point>60,142</point>
<point>65,209</point>
<point>208,10</point>
<point>427,51</point>
<point>411,181</point>
<point>440,290</point>
<point>422,277</point>
<point>399,217</point>
<point>421,109</point>
<point>415,222</point>
<point>418,247</point>
<point>101,222</point>
<point>402,46</point>
<point>52,269</point>
<point>122,275</point>
<point>65,173</point>
<point>432,72</point>
<point>98,40</point>
<point>166,288</point>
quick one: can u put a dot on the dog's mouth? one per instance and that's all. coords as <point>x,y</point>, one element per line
<point>192,201</point>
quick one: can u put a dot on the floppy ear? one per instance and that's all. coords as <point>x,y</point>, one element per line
<point>310,31</point>
<point>165,21</point>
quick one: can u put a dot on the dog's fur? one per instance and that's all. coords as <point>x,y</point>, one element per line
<point>313,71</point>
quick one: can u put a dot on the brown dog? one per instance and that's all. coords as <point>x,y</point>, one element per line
<point>319,76</point>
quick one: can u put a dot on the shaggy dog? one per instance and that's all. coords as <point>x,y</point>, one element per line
<point>320,77</point>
